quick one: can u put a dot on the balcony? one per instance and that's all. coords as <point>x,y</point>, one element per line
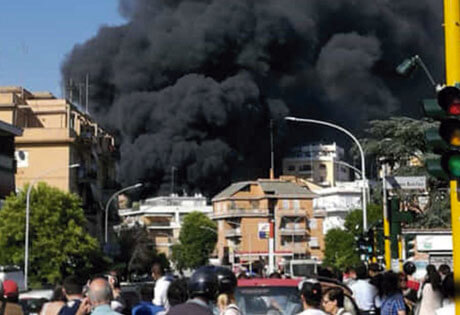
<point>161,225</point>
<point>292,231</point>
<point>230,213</point>
<point>291,212</point>
<point>233,233</point>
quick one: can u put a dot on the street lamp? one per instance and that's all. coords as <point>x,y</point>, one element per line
<point>363,161</point>
<point>107,205</point>
<point>26,245</point>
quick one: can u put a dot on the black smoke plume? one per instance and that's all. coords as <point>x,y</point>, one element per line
<point>189,86</point>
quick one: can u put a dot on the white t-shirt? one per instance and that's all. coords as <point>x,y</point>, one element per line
<point>364,294</point>
<point>312,312</point>
<point>160,292</point>
<point>447,309</point>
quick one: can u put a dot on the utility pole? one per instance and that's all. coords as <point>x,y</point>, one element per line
<point>452,51</point>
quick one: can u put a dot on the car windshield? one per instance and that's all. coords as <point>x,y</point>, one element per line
<point>303,270</point>
<point>268,300</point>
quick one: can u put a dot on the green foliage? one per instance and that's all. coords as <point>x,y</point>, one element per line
<point>137,254</point>
<point>408,142</point>
<point>339,251</point>
<point>354,219</point>
<point>196,241</point>
<point>58,243</point>
<point>340,244</point>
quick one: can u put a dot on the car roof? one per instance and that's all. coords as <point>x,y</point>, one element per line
<point>37,294</point>
<point>268,282</point>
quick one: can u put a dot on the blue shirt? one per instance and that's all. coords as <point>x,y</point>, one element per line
<point>146,308</point>
<point>392,304</point>
<point>104,309</point>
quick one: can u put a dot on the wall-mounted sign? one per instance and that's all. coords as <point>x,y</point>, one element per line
<point>263,230</point>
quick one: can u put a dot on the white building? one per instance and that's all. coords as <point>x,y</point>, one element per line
<point>163,217</point>
<point>320,163</point>
<point>334,203</point>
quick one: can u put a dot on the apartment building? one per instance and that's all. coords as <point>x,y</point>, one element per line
<point>163,217</point>
<point>7,163</point>
<point>321,164</point>
<point>57,134</point>
<point>244,211</point>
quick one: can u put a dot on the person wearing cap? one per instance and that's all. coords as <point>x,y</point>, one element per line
<point>9,303</point>
<point>311,295</point>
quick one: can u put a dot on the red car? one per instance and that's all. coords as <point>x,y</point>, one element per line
<point>279,296</point>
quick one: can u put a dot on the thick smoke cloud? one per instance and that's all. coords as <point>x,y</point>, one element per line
<point>191,85</point>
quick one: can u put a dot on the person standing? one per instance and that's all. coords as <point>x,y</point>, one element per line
<point>311,296</point>
<point>393,300</point>
<point>162,283</point>
<point>333,302</point>
<point>431,292</point>
<point>9,298</point>
<point>226,283</point>
<point>364,293</point>
<point>57,301</point>
<point>100,295</point>
<point>73,291</point>
<point>202,290</point>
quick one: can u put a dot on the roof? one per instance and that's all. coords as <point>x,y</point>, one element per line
<point>8,129</point>
<point>271,188</point>
<point>268,282</point>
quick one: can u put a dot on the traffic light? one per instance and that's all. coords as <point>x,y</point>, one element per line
<point>445,140</point>
<point>409,245</point>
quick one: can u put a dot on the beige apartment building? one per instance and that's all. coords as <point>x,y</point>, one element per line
<point>7,164</point>
<point>57,134</point>
<point>321,164</point>
<point>244,210</point>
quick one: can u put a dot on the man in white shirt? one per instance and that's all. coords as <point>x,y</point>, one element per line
<point>364,293</point>
<point>162,283</point>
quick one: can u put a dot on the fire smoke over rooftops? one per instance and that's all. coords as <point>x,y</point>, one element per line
<point>193,83</point>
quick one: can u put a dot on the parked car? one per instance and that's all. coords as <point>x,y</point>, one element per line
<point>32,301</point>
<point>280,296</point>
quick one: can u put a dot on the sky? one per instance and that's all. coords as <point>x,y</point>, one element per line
<point>36,35</point>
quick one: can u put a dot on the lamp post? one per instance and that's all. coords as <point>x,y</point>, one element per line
<point>107,205</point>
<point>363,161</point>
<point>26,245</point>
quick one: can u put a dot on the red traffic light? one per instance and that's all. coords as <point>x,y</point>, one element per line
<point>449,100</point>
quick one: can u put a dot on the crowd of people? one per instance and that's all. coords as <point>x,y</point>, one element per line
<point>211,290</point>
<point>388,293</point>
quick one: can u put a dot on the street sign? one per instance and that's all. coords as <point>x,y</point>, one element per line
<point>406,182</point>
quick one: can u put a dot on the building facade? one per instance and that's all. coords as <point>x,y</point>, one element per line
<point>321,163</point>
<point>334,203</point>
<point>244,212</point>
<point>8,133</point>
<point>56,134</point>
<point>163,217</point>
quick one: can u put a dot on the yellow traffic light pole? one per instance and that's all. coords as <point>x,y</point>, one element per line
<point>452,51</point>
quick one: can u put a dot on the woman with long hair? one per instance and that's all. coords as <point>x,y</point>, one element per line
<point>393,301</point>
<point>431,292</point>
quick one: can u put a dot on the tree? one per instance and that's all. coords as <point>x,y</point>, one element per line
<point>59,244</point>
<point>408,144</point>
<point>197,240</point>
<point>137,254</point>
<point>354,219</point>
<point>339,251</point>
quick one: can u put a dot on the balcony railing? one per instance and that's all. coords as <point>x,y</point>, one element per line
<point>291,212</point>
<point>233,233</point>
<point>288,231</point>
<point>240,213</point>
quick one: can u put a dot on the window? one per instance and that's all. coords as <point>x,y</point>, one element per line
<point>313,243</point>
<point>255,204</point>
<point>305,168</point>
<point>291,168</point>
<point>285,204</point>
<point>322,166</point>
<point>296,204</point>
